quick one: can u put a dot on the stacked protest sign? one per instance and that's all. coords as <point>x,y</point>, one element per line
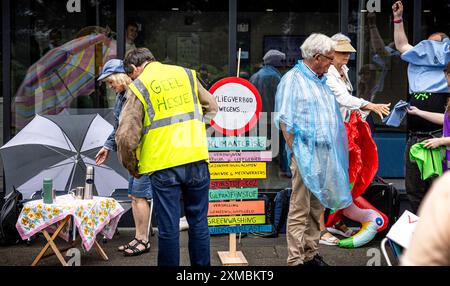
<point>237,163</point>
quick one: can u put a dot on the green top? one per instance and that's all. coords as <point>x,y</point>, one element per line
<point>429,161</point>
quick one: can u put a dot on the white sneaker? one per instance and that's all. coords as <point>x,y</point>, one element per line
<point>183,224</point>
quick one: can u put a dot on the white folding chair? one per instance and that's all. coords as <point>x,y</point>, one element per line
<point>399,236</point>
<point>396,251</point>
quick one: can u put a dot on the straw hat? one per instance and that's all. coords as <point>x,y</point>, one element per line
<point>344,47</point>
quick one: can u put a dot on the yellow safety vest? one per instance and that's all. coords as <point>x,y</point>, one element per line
<point>173,133</point>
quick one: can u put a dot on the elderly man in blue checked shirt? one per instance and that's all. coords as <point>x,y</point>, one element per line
<point>309,117</point>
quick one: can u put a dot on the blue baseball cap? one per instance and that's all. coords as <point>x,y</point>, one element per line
<point>110,67</point>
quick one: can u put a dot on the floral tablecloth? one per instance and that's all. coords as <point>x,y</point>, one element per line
<point>99,215</point>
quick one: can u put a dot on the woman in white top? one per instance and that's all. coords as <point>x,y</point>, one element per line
<point>339,83</point>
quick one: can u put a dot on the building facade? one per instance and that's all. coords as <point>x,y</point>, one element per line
<point>205,35</point>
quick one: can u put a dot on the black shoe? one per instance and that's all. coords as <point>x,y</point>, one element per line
<point>316,261</point>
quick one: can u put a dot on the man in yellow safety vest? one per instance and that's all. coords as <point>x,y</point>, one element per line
<point>162,134</point>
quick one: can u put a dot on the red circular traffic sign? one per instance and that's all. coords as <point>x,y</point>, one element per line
<point>239,106</point>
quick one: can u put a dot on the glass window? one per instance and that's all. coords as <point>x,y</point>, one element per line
<point>377,72</point>
<point>193,34</point>
<point>1,64</point>
<point>1,95</point>
<point>435,17</point>
<point>58,51</point>
<point>281,25</point>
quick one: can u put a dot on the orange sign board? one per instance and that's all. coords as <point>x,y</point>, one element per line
<point>236,208</point>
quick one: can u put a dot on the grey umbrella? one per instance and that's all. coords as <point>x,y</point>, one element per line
<point>60,147</point>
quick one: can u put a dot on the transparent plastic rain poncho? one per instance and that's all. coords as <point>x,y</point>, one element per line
<point>307,107</point>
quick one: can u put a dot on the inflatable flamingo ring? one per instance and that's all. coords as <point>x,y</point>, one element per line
<point>363,165</point>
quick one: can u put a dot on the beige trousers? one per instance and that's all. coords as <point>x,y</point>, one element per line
<point>303,222</point>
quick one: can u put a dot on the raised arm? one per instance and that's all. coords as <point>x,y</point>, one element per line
<point>375,38</point>
<point>400,38</point>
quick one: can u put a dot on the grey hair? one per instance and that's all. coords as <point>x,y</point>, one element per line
<point>317,44</point>
<point>340,37</point>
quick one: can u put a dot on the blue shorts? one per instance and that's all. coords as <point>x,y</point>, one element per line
<point>140,188</point>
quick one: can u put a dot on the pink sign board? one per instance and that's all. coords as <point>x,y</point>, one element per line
<point>262,156</point>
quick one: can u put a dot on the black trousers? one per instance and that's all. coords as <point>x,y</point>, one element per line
<point>416,188</point>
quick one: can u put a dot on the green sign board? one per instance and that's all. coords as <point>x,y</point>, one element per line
<point>233,194</point>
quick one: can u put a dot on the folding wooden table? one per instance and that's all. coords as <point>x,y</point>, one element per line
<point>51,244</point>
<point>89,217</point>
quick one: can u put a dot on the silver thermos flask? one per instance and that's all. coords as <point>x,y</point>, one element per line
<point>89,186</point>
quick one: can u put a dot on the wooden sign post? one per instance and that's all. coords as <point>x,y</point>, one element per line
<point>234,206</point>
<point>233,257</point>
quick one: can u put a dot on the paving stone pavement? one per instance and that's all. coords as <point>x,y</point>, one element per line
<point>258,251</point>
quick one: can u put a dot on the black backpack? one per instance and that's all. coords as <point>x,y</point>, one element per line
<point>276,212</point>
<point>281,210</point>
<point>9,215</point>
<point>269,208</point>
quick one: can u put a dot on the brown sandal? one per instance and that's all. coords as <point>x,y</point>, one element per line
<point>339,227</point>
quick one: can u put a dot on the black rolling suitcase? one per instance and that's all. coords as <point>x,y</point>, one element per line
<point>386,198</point>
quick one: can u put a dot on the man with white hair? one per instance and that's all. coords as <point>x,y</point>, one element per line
<point>309,117</point>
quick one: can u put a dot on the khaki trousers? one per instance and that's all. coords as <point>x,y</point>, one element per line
<point>303,222</point>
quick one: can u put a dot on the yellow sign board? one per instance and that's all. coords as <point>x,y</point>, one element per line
<point>238,170</point>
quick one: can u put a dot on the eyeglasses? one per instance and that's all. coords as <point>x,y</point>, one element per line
<point>327,57</point>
